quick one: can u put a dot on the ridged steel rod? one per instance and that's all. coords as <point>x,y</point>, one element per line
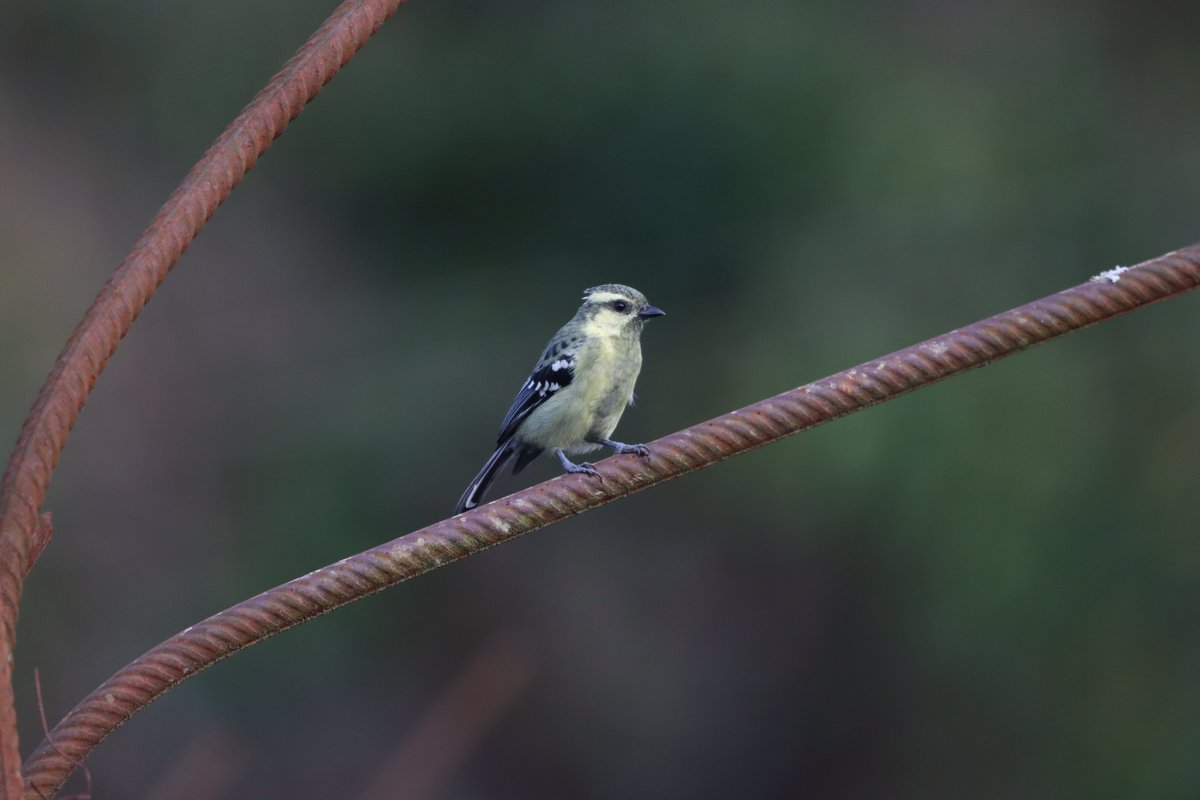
<point>178,222</point>
<point>111,316</point>
<point>699,446</point>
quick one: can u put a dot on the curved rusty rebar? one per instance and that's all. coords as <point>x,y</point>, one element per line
<point>691,449</point>
<point>178,222</point>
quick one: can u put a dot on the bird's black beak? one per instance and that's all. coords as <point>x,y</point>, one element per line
<point>651,311</point>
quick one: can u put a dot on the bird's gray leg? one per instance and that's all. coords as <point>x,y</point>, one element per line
<point>622,449</point>
<point>572,467</point>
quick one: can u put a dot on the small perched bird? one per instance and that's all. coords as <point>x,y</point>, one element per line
<point>578,390</point>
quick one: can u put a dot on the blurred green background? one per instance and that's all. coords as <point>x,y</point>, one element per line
<point>987,589</point>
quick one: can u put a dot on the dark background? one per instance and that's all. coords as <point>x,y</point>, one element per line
<point>987,589</point>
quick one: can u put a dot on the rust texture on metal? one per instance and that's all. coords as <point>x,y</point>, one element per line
<point>41,537</point>
<point>278,609</point>
<point>98,334</point>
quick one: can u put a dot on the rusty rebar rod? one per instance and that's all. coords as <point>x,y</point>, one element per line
<point>699,446</point>
<point>135,280</point>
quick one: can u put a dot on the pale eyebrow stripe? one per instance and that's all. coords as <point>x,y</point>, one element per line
<point>605,297</point>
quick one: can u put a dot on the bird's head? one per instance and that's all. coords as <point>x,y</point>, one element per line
<point>616,310</point>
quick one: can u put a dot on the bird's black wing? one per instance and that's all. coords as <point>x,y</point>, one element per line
<point>555,370</point>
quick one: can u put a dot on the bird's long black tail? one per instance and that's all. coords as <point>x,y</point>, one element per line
<point>474,493</point>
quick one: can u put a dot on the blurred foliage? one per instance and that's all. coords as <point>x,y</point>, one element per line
<point>980,590</point>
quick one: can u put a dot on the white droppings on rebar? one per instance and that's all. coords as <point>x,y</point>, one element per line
<point>1111,275</point>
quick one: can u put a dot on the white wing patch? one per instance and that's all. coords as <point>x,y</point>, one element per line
<point>543,387</point>
<point>547,379</point>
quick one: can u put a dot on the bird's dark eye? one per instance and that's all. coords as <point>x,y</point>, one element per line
<point>620,306</point>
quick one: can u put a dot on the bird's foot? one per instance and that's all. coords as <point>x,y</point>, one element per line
<point>570,466</point>
<point>623,449</point>
<point>587,468</point>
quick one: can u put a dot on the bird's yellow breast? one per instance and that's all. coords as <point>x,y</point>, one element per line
<point>589,408</point>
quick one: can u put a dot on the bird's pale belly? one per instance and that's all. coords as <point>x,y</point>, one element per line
<point>549,428</point>
<point>608,392</point>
